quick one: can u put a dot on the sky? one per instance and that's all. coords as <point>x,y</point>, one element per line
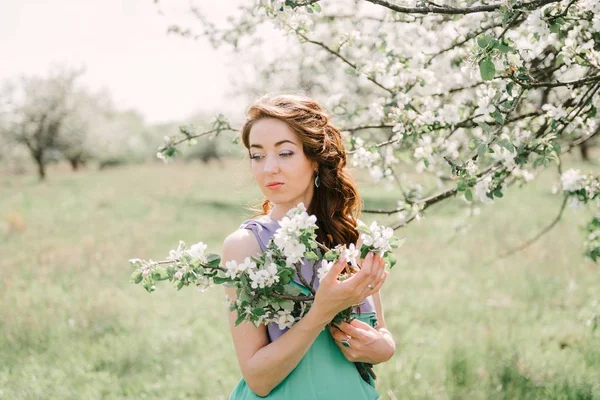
<point>125,49</point>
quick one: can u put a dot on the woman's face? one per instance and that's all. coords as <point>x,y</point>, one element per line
<point>283,172</point>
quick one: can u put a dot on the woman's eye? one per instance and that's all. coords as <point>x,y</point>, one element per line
<point>259,156</point>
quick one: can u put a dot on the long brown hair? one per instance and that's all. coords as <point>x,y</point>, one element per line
<point>336,202</point>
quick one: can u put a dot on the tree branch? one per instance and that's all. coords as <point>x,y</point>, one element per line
<point>344,59</point>
<point>595,78</point>
<point>433,9</point>
<point>294,298</point>
<point>536,237</point>
<point>469,36</point>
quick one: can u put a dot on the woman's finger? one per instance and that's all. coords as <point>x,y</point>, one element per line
<point>372,277</point>
<point>338,335</point>
<point>371,274</point>
<point>335,270</point>
<point>362,277</point>
<point>380,282</point>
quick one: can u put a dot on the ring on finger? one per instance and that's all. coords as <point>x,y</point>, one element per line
<point>345,342</point>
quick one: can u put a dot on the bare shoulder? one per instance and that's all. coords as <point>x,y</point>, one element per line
<point>240,244</point>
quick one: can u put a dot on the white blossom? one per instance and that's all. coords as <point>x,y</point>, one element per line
<point>378,238</point>
<point>197,250</point>
<point>482,187</point>
<point>284,319</point>
<point>352,254</point>
<point>572,180</point>
<point>264,277</point>
<point>175,255</point>
<point>471,168</point>
<point>324,269</point>
<point>234,270</point>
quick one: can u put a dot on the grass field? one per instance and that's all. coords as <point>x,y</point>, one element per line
<point>73,327</point>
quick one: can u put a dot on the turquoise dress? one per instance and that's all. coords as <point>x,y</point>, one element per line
<point>324,372</point>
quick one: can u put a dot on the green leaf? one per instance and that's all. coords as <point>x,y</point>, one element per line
<point>292,290</point>
<point>487,69</point>
<point>136,277</point>
<point>364,250</point>
<point>213,260</point>
<point>469,195</point>
<point>507,145</point>
<point>555,26</point>
<point>361,227</point>
<point>502,47</point>
<point>330,255</point>
<point>497,115</point>
<point>483,125</point>
<point>510,87</point>
<point>160,274</point>
<point>287,305</point>
<point>284,279</point>
<point>484,40</point>
<point>311,256</point>
<point>556,147</point>
<point>316,7</point>
<point>218,280</point>
<point>258,311</point>
<point>239,319</point>
<point>481,150</point>
<point>395,241</point>
<point>390,258</point>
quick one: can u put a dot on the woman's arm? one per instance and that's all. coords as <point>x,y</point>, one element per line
<point>381,325</point>
<point>264,365</point>
<point>370,345</point>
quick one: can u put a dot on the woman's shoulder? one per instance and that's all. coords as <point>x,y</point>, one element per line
<point>245,240</point>
<point>240,239</point>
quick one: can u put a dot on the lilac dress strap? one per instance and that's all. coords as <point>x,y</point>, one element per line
<point>263,228</point>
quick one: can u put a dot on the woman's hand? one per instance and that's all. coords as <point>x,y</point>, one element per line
<point>367,344</point>
<point>334,296</point>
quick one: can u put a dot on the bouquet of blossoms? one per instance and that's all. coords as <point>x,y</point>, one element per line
<point>265,291</point>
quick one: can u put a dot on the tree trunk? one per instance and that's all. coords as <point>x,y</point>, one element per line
<point>583,148</point>
<point>41,168</point>
<point>74,163</point>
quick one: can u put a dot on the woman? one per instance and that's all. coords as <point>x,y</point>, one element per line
<point>298,156</point>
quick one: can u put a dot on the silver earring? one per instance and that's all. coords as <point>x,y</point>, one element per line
<point>317,180</point>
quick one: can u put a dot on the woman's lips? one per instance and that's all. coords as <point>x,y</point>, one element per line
<point>275,186</point>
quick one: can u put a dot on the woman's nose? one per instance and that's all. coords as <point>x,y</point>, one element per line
<point>271,165</point>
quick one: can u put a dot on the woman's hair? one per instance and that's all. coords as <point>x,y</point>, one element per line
<point>336,202</point>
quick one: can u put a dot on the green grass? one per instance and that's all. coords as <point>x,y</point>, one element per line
<point>73,327</point>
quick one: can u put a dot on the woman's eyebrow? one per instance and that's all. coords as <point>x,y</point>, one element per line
<point>276,144</point>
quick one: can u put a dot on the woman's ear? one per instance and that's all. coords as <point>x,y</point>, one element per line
<point>315,166</point>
